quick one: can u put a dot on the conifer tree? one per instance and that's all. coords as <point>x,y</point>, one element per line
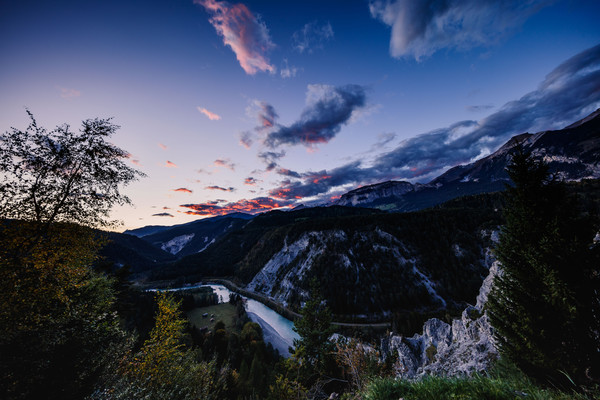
<point>313,349</point>
<point>542,304</point>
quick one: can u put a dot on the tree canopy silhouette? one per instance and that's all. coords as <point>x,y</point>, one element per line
<point>61,175</point>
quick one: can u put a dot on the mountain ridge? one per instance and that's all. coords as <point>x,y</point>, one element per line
<point>572,154</point>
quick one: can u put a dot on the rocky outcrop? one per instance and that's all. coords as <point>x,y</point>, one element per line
<point>462,348</point>
<point>367,195</point>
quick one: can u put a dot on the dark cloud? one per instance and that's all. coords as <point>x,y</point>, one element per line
<point>312,36</point>
<point>271,158</point>
<point>250,206</point>
<point>327,109</point>
<point>420,28</point>
<point>184,190</point>
<point>317,183</point>
<point>570,92</point>
<point>250,181</point>
<point>266,116</point>
<point>223,189</point>
<point>162,215</point>
<point>479,108</point>
<point>289,173</point>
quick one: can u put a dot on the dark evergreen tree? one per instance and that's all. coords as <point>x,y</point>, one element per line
<point>542,304</point>
<point>313,349</point>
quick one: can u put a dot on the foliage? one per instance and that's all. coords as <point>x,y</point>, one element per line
<point>286,389</point>
<point>544,306</point>
<point>504,382</point>
<point>361,363</point>
<point>239,346</point>
<point>58,329</point>
<point>313,349</point>
<point>377,281</point>
<point>62,176</point>
<point>163,368</point>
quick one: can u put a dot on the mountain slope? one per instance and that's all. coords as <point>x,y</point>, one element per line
<point>192,237</point>
<point>123,249</point>
<point>368,262</point>
<point>572,153</point>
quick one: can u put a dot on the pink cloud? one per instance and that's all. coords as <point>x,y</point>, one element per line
<point>250,181</point>
<point>162,146</point>
<point>169,164</point>
<point>245,205</point>
<point>212,116</point>
<point>244,32</point>
<point>226,163</point>
<point>184,190</point>
<point>69,93</point>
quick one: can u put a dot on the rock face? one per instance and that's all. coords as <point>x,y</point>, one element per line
<point>462,348</point>
<point>368,195</point>
<point>355,258</point>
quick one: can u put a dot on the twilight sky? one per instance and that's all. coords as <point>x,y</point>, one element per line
<point>256,105</point>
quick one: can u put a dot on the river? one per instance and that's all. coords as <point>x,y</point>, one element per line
<point>277,330</point>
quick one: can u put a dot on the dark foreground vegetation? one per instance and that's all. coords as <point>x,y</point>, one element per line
<point>69,330</point>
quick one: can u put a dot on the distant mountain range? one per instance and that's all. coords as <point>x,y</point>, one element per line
<point>192,237</point>
<point>371,254</point>
<point>572,154</point>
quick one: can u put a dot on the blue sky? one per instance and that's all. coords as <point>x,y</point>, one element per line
<point>263,104</point>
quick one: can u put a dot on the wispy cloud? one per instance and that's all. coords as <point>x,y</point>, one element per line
<point>266,117</point>
<point>265,114</point>
<point>569,93</point>
<point>162,146</point>
<point>67,93</point>
<point>250,206</point>
<point>246,139</point>
<point>225,163</point>
<point>211,115</point>
<point>312,36</point>
<point>479,108</point>
<point>245,33</point>
<point>288,71</point>
<point>420,28</point>
<point>223,189</point>
<point>271,158</point>
<point>169,164</point>
<point>327,109</point>
<point>164,214</point>
<point>183,190</point>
